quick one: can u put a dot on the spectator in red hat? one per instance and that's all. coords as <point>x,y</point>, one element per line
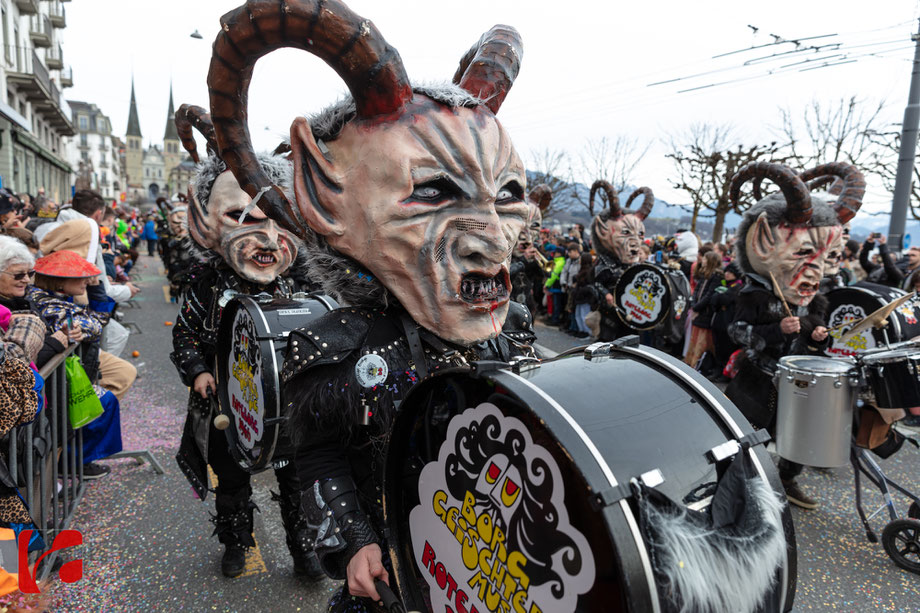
<point>58,278</point>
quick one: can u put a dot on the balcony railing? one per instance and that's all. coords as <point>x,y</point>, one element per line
<point>67,77</point>
<point>57,14</point>
<point>40,30</point>
<point>27,7</point>
<point>31,77</point>
<point>55,58</point>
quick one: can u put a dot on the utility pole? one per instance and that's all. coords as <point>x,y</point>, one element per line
<point>907,155</point>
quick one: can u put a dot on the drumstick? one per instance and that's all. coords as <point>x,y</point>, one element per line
<point>780,294</point>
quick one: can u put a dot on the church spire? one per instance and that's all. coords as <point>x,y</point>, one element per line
<point>171,133</point>
<point>134,125</point>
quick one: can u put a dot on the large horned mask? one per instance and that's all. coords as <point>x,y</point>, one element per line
<point>421,187</point>
<point>620,231</point>
<point>794,234</point>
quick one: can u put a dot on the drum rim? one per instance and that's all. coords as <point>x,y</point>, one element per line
<point>788,363</point>
<point>887,356</point>
<point>667,286</point>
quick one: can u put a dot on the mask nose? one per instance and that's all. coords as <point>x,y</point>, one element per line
<point>482,242</point>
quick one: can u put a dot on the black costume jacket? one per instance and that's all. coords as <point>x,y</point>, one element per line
<point>195,348</point>
<point>607,272</point>
<point>178,258</point>
<point>525,276</point>
<point>341,428</point>
<point>756,328</point>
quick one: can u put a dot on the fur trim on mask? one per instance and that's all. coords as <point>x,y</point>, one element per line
<point>774,206</point>
<point>343,278</point>
<point>327,124</point>
<point>713,572</point>
<point>277,168</point>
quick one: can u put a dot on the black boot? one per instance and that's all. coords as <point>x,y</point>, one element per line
<point>299,537</point>
<point>233,528</point>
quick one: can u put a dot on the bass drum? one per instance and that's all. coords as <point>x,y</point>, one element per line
<point>848,305</point>
<point>508,488</point>
<point>643,297</point>
<point>250,352</point>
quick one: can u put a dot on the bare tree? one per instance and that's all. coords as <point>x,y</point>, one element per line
<point>883,161</point>
<point>614,160</point>
<point>706,158</point>
<point>830,132</point>
<point>552,167</point>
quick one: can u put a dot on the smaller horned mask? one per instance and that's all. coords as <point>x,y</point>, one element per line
<point>620,232</point>
<point>254,246</point>
<point>795,234</point>
<point>538,201</point>
<point>177,219</point>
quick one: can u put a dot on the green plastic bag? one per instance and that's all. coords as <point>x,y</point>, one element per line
<point>83,405</point>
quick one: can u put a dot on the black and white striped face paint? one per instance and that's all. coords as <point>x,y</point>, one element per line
<point>432,204</point>
<point>258,249</point>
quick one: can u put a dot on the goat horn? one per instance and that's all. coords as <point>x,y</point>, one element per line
<point>647,204</point>
<point>489,68</point>
<point>348,43</point>
<point>190,116</point>
<point>852,191</point>
<point>798,199</point>
<point>612,201</point>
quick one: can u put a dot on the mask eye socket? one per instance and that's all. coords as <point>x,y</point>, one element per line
<point>435,191</point>
<point>235,215</point>
<point>510,193</point>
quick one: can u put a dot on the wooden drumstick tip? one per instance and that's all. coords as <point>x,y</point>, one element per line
<point>221,422</point>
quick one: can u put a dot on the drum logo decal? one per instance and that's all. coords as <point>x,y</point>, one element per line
<point>840,321</point>
<point>642,298</point>
<point>492,532</point>
<point>909,311</point>
<point>245,384</point>
<point>371,370</point>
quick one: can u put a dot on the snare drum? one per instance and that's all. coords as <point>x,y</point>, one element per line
<point>814,418</point>
<point>524,472</point>
<point>251,341</point>
<point>894,377</point>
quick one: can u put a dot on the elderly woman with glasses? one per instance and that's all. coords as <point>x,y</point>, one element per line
<point>25,336</point>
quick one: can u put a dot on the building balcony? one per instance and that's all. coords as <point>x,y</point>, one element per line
<point>67,77</point>
<point>31,77</point>
<point>55,58</point>
<point>57,14</point>
<point>40,30</point>
<point>27,7</point>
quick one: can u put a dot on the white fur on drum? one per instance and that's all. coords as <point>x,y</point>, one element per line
<point>711,571</point>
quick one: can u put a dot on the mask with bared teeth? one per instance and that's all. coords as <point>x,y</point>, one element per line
<point>420,187</point>
<point>620,231</point>
<point>794,234</point>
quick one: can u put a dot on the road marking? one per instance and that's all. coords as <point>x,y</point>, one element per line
<point>255,564</point>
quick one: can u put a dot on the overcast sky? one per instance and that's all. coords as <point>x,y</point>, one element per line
<point>585,71</point>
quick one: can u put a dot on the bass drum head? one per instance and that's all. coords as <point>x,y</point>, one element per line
<point>499,479</point>
<point>849,305</point>
<point>643,297</point>
<point>250,352</point>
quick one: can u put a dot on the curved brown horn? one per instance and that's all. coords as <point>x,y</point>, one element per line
<point>852,191</point>
<point>348,43</point>
<point>816,184</point>
<point>189,116</point>
<point>755,189</point>
<point>798,199</point>
<point>489,68</point>
<point>612,201</point>
<point>541,195</point>
<point>647,203</point>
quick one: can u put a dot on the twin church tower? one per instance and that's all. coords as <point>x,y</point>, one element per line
<point>157,170</point>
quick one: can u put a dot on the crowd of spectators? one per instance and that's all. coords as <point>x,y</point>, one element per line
<point>64,270</point>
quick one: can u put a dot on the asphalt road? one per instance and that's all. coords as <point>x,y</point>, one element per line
<point>147,543</point>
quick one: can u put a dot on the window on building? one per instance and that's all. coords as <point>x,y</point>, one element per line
<point>84,123</point>
<point>83,140</point>
<point>146,172</point>
<point>102,159</point>
<point>6,41</point>
<point>160,173</point>
<point>84,156</point>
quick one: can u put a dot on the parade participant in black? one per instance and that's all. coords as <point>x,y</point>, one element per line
<point>527,262</point>
<point>414,198</point>
<point>178,250</point>
<point>248,255</point>
<point>788,236</point>
<point>616,235</point>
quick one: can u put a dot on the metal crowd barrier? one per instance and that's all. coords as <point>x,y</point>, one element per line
<point>53,454</point>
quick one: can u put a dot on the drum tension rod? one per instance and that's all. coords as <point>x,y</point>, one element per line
<point>481,367</point>
<point>732,446</point>
<point>613,495</point>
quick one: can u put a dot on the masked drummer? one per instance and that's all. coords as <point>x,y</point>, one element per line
<point>414,199</point>
<point>617,235</point>
<point>247,255</point>
<point>176,249</point>
<point>789,236</point>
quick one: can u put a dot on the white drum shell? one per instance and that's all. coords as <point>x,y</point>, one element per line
<point>814,420</point>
